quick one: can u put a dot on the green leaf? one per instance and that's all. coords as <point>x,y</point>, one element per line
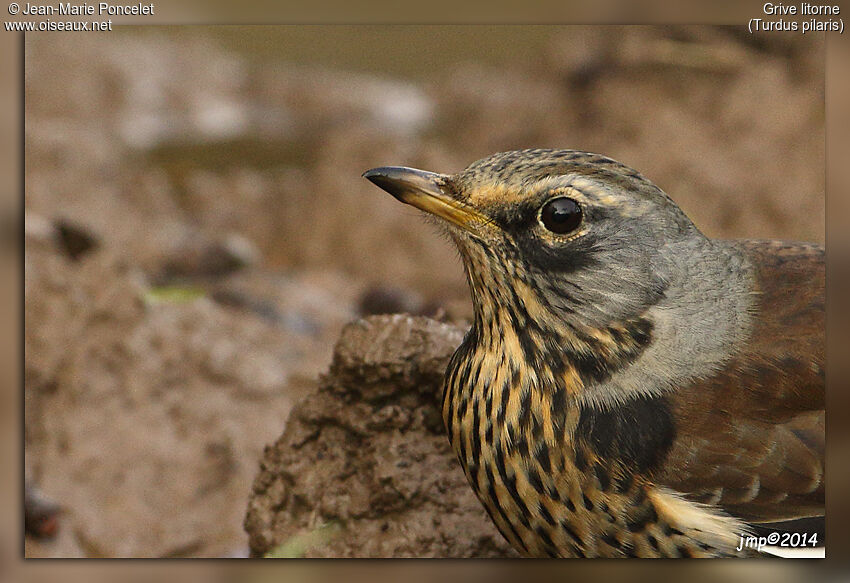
<point>173,295</point>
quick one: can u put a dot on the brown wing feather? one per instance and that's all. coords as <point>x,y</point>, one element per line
<point>751,438</point>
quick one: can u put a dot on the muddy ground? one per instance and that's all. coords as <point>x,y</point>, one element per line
<point>364,468</point>
<point>198,235</point>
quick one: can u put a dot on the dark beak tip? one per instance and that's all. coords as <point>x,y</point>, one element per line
<point>376,176</point>
<point>388,179</point>
<point>377,173</point>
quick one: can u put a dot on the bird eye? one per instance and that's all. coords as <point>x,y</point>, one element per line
<point>561,215</point>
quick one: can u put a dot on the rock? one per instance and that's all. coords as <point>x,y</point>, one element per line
<point>199,256</point>
<point>365,461</point>
<point>41,515</point>
<point>75,240</point>
<point>385,299</point>
<point>381,299</point>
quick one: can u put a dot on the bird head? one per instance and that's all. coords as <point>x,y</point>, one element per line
<point>573,234</point>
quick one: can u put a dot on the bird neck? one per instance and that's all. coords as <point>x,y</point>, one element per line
<point>557,474</point>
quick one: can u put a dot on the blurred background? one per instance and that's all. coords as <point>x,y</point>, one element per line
<point>197,232</point>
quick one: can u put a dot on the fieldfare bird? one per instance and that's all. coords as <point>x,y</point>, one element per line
<point>629,386</point>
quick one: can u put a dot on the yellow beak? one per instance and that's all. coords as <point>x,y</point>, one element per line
<point>426,191</point>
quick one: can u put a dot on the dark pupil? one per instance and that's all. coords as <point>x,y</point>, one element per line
<point>561,215</point>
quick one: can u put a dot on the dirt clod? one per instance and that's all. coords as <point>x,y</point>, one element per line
<point>368,453</point>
